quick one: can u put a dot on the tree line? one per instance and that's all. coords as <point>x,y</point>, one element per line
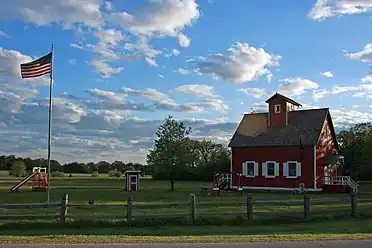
<point>356,146</point>
<point>6,163</point>
<point>177,157</point>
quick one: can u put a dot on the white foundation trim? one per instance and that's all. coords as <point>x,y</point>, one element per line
<point>277,188</point>
<point>315,187</point>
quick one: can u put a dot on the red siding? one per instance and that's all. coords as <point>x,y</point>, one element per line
<point>277,119</point>
<point>280,155</point>
<point>326,146</point>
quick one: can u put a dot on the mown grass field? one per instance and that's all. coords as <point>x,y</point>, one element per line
<point>106,190</point>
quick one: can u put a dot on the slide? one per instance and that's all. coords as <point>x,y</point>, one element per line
<point>18,185</point>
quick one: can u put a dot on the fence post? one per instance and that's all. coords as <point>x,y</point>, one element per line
<point>306,207</point>
<point>193,208</point>
<point>129,209</point>
<point>249,206</point>
<point>63,211</point>
<point>354,205</point>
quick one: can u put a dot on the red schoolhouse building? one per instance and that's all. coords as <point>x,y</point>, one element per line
<point>286,148</point>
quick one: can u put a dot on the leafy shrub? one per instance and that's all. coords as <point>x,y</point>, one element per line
<point>95,174</point>
<point>111,173</point>
<point>115,173</point>
<point>57,174</point>
<point>18,169</point>
<point>118,174</point>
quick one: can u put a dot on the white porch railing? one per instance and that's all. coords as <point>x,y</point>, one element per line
<point>341,180</point>
<point>224,177</point>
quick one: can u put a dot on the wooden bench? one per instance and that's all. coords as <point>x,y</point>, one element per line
<point>206,190</point>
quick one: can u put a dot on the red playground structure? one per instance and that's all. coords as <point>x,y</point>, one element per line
<point>223,181</point>
<point>38,177</point>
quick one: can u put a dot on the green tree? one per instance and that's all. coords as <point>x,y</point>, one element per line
<point>18,168</point>
<point>210,158</point>
<point>355,146</point>
<point>169,156</point>
<point>118,165</point>
<point>104,167</point>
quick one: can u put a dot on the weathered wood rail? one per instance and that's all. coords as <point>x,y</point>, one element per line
<point>192,206</point>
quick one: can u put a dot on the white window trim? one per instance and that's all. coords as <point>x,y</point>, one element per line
<point>255,169</point>
<point>265,169</point>
<point>277,105</point>
<point>286,169</point>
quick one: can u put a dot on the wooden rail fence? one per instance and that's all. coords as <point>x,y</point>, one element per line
<point>192,205</point>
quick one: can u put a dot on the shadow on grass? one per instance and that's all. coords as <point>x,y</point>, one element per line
<point>204,226</point>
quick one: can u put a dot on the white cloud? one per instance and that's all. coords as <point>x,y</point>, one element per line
<point>196,90</point>
<point>328,74</point>
<point>295,86</point>
<point>10,61</point>
<point>143,48</point>
<point>163,101</point>
<point>72,61</point>
<point>45,12</point>
<point>269,77</point>
<point>4,34</point>
<point>324,9</point>
<point>367,79</point>
<point>260,107</point>
<point>255,92</point>
<point>166,17</point>
<point>77,46</point>
<point>214,103</point>
<point>182,71</point>
<point>183,40</point>
<point>365,86</point>
<point>104,68</point>
<point>151,62</point>
<point>243,63</point>
<point>175,52</point>
<point>346,118</point>
<point>364,55</point>
<point>107,95</point>
<point>110,37</point>
<point>151,94</point>
<point>109,6</point>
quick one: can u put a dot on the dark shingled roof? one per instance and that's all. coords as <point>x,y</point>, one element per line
<point>284,97</point>
<point>304,124</point>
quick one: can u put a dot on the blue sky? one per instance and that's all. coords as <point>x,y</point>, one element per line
<point>122,66</point>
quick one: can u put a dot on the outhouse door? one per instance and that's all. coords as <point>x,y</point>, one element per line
<point>133,182</point>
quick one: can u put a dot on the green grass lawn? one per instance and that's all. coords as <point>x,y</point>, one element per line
<point>106,190</point>
<point>318,230</point>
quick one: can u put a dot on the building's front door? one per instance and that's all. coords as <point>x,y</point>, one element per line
<point>133,183</point>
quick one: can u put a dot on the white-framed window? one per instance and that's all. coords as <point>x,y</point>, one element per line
<point>270,169</point>
<point>250,169</point>
<point>277,108</point>
<point>292,169</point>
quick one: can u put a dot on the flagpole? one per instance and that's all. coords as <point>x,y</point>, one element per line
<point>50,118</point>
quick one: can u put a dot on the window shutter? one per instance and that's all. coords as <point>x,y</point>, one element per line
<point>245,169</point>
<point>298,171</point>
<point>264,169</point>
<point>276,169</point>
<point>285,169</point>
<point>256,172</point>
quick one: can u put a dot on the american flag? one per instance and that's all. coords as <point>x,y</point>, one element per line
<point>37,67</point>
